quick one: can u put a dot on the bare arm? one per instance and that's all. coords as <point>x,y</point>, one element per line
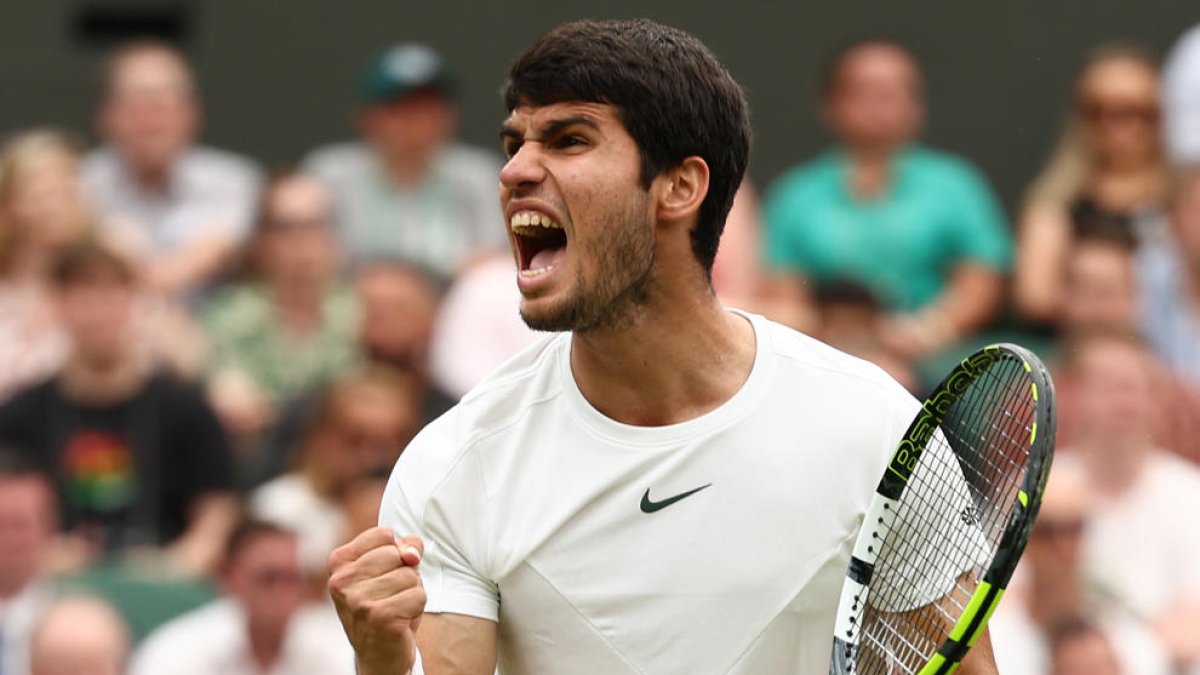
<point>970,301</point>
<point>198,550</point>
<point>191,265</point>
<point>455,644</point>
<point>1043,237</point>
<point>980,660</point>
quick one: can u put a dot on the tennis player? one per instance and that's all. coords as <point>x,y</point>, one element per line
<point>666,486</point>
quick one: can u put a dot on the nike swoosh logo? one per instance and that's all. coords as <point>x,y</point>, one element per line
<point>649,506</point>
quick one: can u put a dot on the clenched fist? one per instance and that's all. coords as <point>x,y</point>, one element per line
<point>375,584</point>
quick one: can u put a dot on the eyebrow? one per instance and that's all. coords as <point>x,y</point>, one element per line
<point>551,128</point>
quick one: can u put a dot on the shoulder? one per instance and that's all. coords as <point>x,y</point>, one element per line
<point>501,400</point>
<point>235,305</point>
<point>211,628</point>
<point>1175,477</point>
<point>222,165</point>
<point>334,159</point>
<point>808,178</point>
<point>944,168</point>
<point>813,362</point>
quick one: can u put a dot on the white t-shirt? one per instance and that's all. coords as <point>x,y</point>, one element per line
<point>1143,549</point>
<point>716,545</point>
<point>1181,99</point>
<point>290,501</point>
<point>212,640</point>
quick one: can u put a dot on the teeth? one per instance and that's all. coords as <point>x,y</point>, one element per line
<point>531,274</point>
<point>526,219</point>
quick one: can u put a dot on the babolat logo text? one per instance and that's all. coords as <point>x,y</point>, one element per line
<point>935,408</point>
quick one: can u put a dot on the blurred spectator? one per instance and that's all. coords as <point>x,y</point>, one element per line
<point>407,190</point>
<point>139,458</point>
<point>1101,295</point>
<point>28,523</point>
<point>1101,287</point>
<point>484,300</point>
<point>80,636</point>
<point>358,426</point>
<point>290,326</point>
<point>182,208</point>
<point>920,228</point>
<point>1108,167</point>
<point>1181,99</point>
<point>1050,591</point>
<point>399,306</point>
<point>1080,648</point>
<point>1169,271</point>
<point>1142,542</point>
<point>260,625</point>
<point>41,211</point>
<point>851,319</point>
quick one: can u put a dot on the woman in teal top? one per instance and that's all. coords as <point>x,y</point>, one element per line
<point>920,228</point>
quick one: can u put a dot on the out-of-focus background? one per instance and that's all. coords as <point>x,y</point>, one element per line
<point>247,250</point>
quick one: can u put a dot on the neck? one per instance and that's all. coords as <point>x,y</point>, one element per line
<point>870,170</point>
<point>299,303</point>
<point>684,356</point>
<point>1053,599</point>
<point>407,170</point>
<point>1118,467</point>
<point>102,383</point>
<point>266,643</point>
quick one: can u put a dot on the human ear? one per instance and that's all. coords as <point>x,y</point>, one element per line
<point>682,190</point>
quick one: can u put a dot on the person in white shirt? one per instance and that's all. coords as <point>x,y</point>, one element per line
<point>28,523</point>
<point>261,625</point>
<point>663,487</point>
<point>1049,594</point>
<point>1181,99</point>
<point>358,426</point>
<point>180,207</point>
<point>1142,544</point>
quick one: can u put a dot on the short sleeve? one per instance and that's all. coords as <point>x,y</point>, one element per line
<point>199,434</point>
<point>443,503</point>
<point>981,232</point>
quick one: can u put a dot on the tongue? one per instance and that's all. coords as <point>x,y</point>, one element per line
<point>547,257</point>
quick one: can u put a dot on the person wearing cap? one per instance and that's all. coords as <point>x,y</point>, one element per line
<point>408,189</point>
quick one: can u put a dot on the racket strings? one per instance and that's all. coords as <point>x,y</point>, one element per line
<point>949,521</point>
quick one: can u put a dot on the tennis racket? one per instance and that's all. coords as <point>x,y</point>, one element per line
<point>949,519</point>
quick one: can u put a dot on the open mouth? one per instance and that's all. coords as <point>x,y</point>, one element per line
<point>541,243</point>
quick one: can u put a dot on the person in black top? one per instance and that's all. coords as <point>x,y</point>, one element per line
<point>140,461</point>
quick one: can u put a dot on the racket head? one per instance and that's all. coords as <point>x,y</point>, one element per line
<point>949,519</point>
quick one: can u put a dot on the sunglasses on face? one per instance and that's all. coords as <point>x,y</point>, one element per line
<point>1100,112</point>
<point>1047,529</point>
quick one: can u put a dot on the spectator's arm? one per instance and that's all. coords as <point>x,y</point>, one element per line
<point>1043,238</point>
<point>192,265</point>
<point>785,297</point>
<point>969,302</point>
<point>198,551</point>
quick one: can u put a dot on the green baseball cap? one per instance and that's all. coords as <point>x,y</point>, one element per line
<point>406,67</point>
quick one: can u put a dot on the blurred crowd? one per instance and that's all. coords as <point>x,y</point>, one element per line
<point>207,369</point>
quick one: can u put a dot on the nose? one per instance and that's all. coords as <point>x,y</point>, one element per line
<point>524,169</point>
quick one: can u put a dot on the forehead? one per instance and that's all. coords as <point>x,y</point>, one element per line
<point>877,61</point>
<point>527,117</point>
<point>1120,78</point>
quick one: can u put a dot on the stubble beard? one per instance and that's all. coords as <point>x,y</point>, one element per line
<point>617,297</point>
